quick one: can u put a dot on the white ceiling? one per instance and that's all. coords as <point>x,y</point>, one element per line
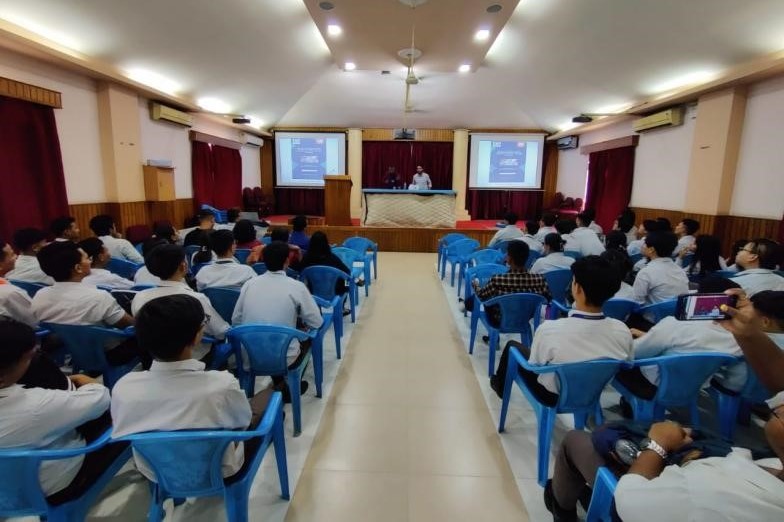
<point>553,58</point>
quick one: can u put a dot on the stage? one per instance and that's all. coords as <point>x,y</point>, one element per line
<point>395,239</point>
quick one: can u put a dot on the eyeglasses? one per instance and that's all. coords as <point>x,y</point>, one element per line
<point>749,250</point>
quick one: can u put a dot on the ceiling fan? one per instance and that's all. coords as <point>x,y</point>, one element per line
<point>409,55</point>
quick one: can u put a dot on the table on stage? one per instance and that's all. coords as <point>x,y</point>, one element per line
<point>409,208</point>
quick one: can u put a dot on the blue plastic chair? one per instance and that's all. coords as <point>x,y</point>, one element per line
<point>619,308</point>
<point>322,280</point>
<point>533,255</point>
<point>139,248</point>
<point>735,406</point>
<point>600,509</point>
<point>517,311</point>
<point>266,240</point>
<point>86,344</point>
<point>503,246</point>
<point>681,378</point>
<point>259,268</point>
<point>123,268</point>
<point>20,491</point>
<point>266,346</point>
<point>350,257</point>
<point>30,288</point>
<point>241,255</point>
<point>634,258</point>
<point>369,251</point>
<point>559,282</point>
<point>658,311</point>
<point>223,300</point>
<point>575,254</point>
<point>686,261</point>
<point>486,256</point>
<point>483,273</point>
<point>190,250</point>
<point>317,348</point>
<point>198,266</point>
<point>443,243</point>
<point>457,254</point>
<point>221,216</point>
<point>725,273</point>
<point>187,464</point>
<point>581,386</point>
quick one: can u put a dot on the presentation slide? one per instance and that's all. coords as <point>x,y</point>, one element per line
<point>304,158</point>
<point>506,161</point>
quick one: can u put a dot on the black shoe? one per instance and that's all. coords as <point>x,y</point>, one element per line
<point>361,282</point>
<point>346,311</point>
<point>486,338</point>
<point>559,514</point>
<point>626,409</point>
<point>497,385</point>
<point>303,387</point>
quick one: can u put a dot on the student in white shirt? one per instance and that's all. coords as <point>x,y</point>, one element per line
<point>706,257</point>
<point>14,302</point>
<point>225,271</point>
<point>275,298</point>
<point>646,227</point>
<point>143,275</point>
<point>509,232</point>
<point>52,418</point>
<point>29,241</point>
<point>585,335</point>
<point>546,226</point>
<point>119,248</point>
<point>589,221</point>
<point>619,260</point>
<point>421,179</point>
<point>176,393</point>
<point>661,279</point>
<point>625,223</point>
<point>168,263</point>
<point>554,258</point>
<point>685,231</point>
<point>757,261</point>
<point>584,240</point>
<point>65,229</point>
<point>531,230</point>
<point>100,257</point>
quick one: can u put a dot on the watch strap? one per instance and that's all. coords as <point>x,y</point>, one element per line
<point>650,444</point>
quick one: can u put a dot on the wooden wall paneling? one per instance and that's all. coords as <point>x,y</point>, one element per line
<point>421,135</point>
<point>400,240</point>
<point>31,93</point>
<point>84,212</point>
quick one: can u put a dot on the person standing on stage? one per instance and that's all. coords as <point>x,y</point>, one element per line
<point>391,180</point>
<point>421,179</point>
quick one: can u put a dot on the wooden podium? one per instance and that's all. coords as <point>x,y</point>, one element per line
<point>337,200</point>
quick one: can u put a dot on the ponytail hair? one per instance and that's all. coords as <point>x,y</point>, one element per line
<point>554,242</point>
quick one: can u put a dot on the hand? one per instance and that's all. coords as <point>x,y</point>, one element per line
<point>742,322</point>
<point>636,333</point>
<point>80,380</point>
<point>670,435</point>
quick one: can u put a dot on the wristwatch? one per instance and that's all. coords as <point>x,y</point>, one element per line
<point>650,444</point>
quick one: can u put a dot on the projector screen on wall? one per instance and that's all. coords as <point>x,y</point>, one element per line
<point>302,159</point>
<point>506,161</point>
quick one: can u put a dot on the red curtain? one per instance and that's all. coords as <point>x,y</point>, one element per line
<point>299,201</point>
<point>435,157</point>
<point>610,178</point>
<point>201,173</point>
<point>493,204</point>
<point>31,167</point>
<point>227,172</point>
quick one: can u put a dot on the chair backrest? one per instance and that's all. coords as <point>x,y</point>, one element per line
<point>451,238</point>
<point>725,273</point>
<point>220,215</point>
<point>266,346</point>
<point>754,391</point>
<point>574,254</point>
<point>124,298</point>
<point>682,375</point>
<point>502,246</point>
<point>484,272</point>
<point>619,308</point>
<point>242,254</point>
<point>517,310</point>
<point>20,491</point>
<point>487,256</point>
<point>189,251</point>
<point>223,300</point>
<point>198,266</point>
<point>533,255</point>
<point>462,247</point>
<point>259,268</point>
<point>558,281</point>
<point>123,268</point>
<point>348,256</point>
<point>86,343</point>
<point>360,244</point>
<point>634,258</point>
<point>687,259</point>
<point>322,280</point>
<point>659,311</point>
<point>582,383</point>
<point>266,240</point>
<point>30,288</point>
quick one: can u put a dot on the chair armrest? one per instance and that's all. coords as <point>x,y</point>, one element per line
<point>561,306</point>
<point>517,359</point>
<point>56,454</point>
<point>268,420</point>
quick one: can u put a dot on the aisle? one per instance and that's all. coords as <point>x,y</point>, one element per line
<point>406,434</point>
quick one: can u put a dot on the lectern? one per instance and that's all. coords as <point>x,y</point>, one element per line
<point>337,200</point>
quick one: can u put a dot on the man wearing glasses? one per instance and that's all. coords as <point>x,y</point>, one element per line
<point>757,260</point>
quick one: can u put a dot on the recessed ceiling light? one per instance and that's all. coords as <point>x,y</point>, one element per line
<point>327,6</point>
<point>482,35</point>
<point>464,68</point>
<point>494,8</point>
<point>213,105</point>
<point>334,30</point>
<point>349,66</point>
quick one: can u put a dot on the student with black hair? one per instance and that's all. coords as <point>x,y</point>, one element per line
<point>554,258</point>
<point>275,298</point>
<point>99,259</point>
<point>166,232</point>
<point>616,240</point>
<point>706,257</point>
<point>245,234</point>
<point>685,230</point>
<point>143,275</point>
<point>225,271</point>
<point>103,226</point>
<point>65,228</point>
<point>582,239</point>
<point>320,253</point>
<point>29,241</point>
<point>168,263</point>
<point>546,226</point>
<point>529,236</point>
<point>625,223</point>
<point>199,235</point>
<point>14,302</point>
<point>177,393</point>
<point>661,279</point>
<point>620,262</point>
<point>589,216</point>
<point>509,232</point>
<point>664,224</point>
<point>585,335</point>
<point>645,228</point>
<point>757,261</point>
<point>298,236</point>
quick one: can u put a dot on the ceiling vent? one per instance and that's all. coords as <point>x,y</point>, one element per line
<point>162,112</point>
<point>669,118</point>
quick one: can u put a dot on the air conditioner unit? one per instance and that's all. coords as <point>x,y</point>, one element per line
<point>251,139</point>
<point>668,118</point>
<point>162,112</point>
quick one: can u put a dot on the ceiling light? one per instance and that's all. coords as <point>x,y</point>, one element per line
<point>334,30</point>
<point>482,35</point>
<point>327,6</point>
<point>154,80</point>
<point>213,105</point>
<point>494,8</point>
<point>349,66</point>
<point>464,68</point>
<point>683,81</point>
<point>256,122</point>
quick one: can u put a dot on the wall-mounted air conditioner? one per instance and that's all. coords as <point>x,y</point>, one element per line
<point>668,118</point>
<point>251,139</point>
<point>162,112</point>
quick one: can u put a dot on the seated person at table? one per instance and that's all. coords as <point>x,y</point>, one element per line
<point>225,271</point>
<point>584,240</point>
<point>320,253</point>
<point>685,231</point>
<point>509,232</point>
<point>757,260</point>
<point>529,236</point>
<point>546,226</point>
<point>14,302</point>
<point>70,301</point>
<point>554,258</point>
<point>516,281</point>
<point>65,229</point>
<point>661,279</point>
<point>119,248</point>
<point>168,263</point>
<point>178,389</point>
<point>298,236</point>
<point>29,241</point>
<point>421,180</point>
<point>391,179</point>
<point>198,236</point>
<point>100,257</point>
<point>52,419</point>
<point>583,336</point>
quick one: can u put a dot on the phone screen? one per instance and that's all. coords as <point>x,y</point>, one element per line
<point>703,307</point>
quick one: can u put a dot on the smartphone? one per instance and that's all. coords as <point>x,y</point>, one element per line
<point>703,307</point>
